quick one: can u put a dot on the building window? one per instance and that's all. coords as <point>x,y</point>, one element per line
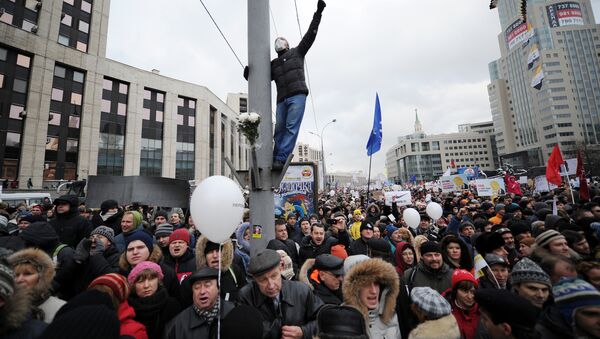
<point>113,122</point>
<point>74,30</point>
<point>186,138</point>
<point>243,105</point>
<point>22,14</point>
<point>63,124</point>
<point>152,133</point>
<point>212,143</point>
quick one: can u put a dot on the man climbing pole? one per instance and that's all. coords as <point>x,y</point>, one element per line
<point>288,72</point>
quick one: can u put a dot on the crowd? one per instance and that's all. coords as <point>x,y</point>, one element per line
<point>491,267</point>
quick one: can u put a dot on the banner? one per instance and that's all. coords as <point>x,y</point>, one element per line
<point>470,172</point>
<point>454,183</point>
<point>534,54</point>
<point>570,167</point>
<point>490,187</point>
<point>519,31</point>
<point>564,14</point>
<point>538,76</point>
<point>542,185</point>
<point>403,198</point>
<point>297,191</point>
<point>523,180</point>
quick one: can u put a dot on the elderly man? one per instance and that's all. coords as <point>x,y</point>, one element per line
<point>324,275</point>
<point>289,308</point>
<point>200,319</point>
<point>431,271</point>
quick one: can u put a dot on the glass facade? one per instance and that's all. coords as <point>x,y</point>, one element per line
<point>15,69</point>
<point>186,137</point>
<point>62,142</point>
<point>113,120</point>
<point>75,22</point>
<point>425,167</point>
<point>152,133</point>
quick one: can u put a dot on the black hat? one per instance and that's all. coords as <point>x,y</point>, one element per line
<point>488,242</point>
<point>263,261</point>
<point>341,321</point>
<point>380,245</point>
<point>330,263</point>
<point>465,224</point>
<point>486,206</point>
<point>87,321</point>
<point>161,213</point>
<point>493,259</point>
<point>210,246</point>
<point>430,246</point>
<point>366,225</point>
<point>519,227</point>
<point>506,307</point>
<point>205,273</point>
<point>108,204</point>
<point>242,322</point>
<point>424,216</point>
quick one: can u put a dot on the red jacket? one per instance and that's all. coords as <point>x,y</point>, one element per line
<point>129,326</point>
<point>467,320</point>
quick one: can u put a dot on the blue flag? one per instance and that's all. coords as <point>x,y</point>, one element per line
<point>374,143</point>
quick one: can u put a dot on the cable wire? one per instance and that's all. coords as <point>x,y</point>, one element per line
<point>273,19</point>
<point>223,35</point>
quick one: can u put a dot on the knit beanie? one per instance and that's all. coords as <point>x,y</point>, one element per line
<point>142,236</point>
<point>390,229</point>
<point>499,207</point>
<point>106,232</point>
<point>144,265</point>
<point>430,302</point>
<point>570,294</point>
<point>430,246</point>
<point>163,230</point>
<point>180,234</point>
<point>339,251</point>
<point>547,237</point>
<point>366,225</point>
<point>7,280</point>
<point>116,282</point>
<point>462,275</point>
<point>526,270</point>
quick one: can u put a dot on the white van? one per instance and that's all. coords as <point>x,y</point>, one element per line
<point>14,199</point>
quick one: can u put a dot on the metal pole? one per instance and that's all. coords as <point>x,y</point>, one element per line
<point>262,206</point>
<point>323,161</point>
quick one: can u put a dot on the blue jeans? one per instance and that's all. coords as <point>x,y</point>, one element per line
<point>288,118</point>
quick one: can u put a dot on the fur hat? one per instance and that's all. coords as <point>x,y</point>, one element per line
<point>526,270</point>
<point>43,265</point>
<point>7,280</point>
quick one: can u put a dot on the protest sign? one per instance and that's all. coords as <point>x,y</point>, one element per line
<point>403,198</point>
<point>490,187</point>
<point>454,183</point>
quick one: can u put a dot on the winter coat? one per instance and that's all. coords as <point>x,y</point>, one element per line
<point>183,266</point>
<point>232,276</point>
<point>114,221</point>
<point>310,277</point>
<point>289,246</point>
<point>372,218</point>
<point>422,275</point>
<point>188,325</point>
<point>309,250</point>
<point>95,266</point>
<point>15,317</point>
<point>466,256</point>
<point>298,307</point>
<point>170,278</point>
<point>359,246</point>
<point>129,326</point>
<point>401,266</point>
<point>288,68</point>
<point>70,226</point>
<point>552,325</point>
<point>383,321</point>
<point>44,305</point>
<point>155,311</point>
<point>467,321</point>
<point>444,327</point>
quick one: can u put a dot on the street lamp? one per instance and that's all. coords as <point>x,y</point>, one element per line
<point>322,151</point>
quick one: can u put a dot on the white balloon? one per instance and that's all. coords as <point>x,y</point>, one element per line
<point>217,206</point>
<point>434,210</point>
<point>411,217</point>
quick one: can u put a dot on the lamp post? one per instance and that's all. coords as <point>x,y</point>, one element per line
<point>322,151</point>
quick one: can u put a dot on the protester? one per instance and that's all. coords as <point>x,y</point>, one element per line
<point>552,242</point>
<point>110,216</point>
<point>405,257</point>
<point>341,322</point>
<point>499,268</point>
<point>531,282</point>
<point>95,256</point>
<point>506,315</point>
<point>319,243</point>
<point>354,228</point>
<point>324,276</point>
<point>434,314</point>
<point>68,224</point>
<point>590,272</point>
<point>431,271</point>
<point>181,258</point>
<point>130,223</point>
<point>361,245</point>
<point>162,234</point>
<point>282,242</point>
<point>462,300</point>
<point>455,253</point>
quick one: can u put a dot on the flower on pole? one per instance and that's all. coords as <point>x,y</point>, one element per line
<point>248,126</point>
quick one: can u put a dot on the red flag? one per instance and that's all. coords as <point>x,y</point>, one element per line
<point>584,192</point>
<point>553,168</point>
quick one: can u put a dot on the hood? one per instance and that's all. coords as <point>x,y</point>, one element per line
<point>377,211</point>
<point>239,235</point>
<point>305,270</point>
<point>401,266</point>
<point>156,257</point>
<point>15,311</point>
<point>444,327</point>
<point>40,234</point>
<point>226,253</point>
<point>73,202</point>
<point>365,273</point>
<point>42,262</point>
<point>466,261</point>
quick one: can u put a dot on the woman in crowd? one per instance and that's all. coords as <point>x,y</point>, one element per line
<point>34,271</point>
<point>405,257</point>
<point>456,253</point>
<point>153,306</point>
<point>462,299</point>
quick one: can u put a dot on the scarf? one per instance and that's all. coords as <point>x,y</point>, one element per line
<point>208,314</point>
<point>107,215</point>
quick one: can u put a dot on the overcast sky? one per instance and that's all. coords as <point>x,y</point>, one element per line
<point>430,55</point>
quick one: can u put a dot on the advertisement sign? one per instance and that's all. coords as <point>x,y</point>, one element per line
<point>518,32</point>
<point>564,14</point>
<point>297,191</point>
<point>403,198</point>
<point>454,183</point>
<point>490,187</point>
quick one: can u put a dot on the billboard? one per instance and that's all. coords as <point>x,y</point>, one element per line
<point>519,31</point>
<point>297,191</point>
<point>564,14</point>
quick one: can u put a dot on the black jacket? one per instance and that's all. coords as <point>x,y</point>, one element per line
<point>113,222</point>
<point>155,311</point>
<point>298,307</point>
<point>183,266</point>
<point>188,325</point>
<point>288,68</point>
<point>359,246</point>
<point>70,226</point>
<point>309,250</point>
<point>289,246</point>
<point>326,295</point>
<point>95,266</point>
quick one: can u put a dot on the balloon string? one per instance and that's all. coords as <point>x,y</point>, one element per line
<point>219,295</point>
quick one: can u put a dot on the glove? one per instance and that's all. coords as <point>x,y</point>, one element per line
<point>246,71</point>
<point>82,251</point>
<point>99,248</point>
<point>321,6</point>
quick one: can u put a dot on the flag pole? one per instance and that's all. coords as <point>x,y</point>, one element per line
<point>369,182</point>
<point>568,184</point>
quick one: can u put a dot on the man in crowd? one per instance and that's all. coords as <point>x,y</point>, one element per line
<point>531,282</point>
<point>361,245</point>
<point>431,271</point>
<point>68,224</point>
<point>282,242</point>
<point>318,242</point>
<point>324,275</point>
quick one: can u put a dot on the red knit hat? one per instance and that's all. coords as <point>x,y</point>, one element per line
<point>116,282</point>
<point>180,234</point>
<point>462,275</point>
<point>339,251</point>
